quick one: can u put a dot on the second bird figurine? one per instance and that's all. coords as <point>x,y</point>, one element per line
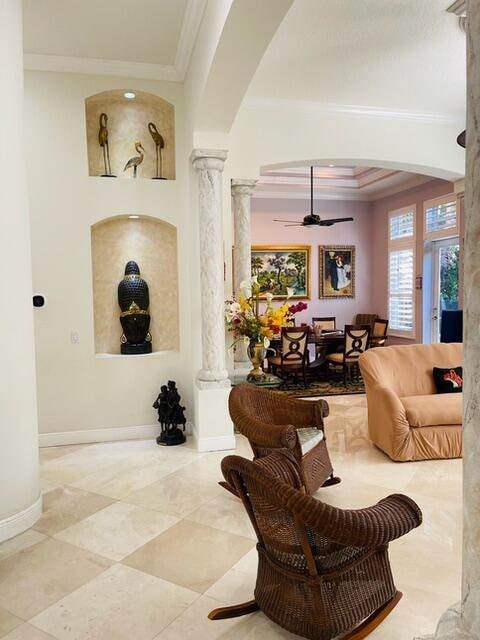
<point>136,160</point>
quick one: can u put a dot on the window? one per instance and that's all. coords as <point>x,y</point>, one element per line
<point>440,218</point>
<point>401,271</point>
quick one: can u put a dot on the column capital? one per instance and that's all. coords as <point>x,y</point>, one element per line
<point>241,186</point>
<point>208,159</point>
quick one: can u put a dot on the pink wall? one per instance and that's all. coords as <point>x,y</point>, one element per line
<point>433,189</point>
<point>358,233</point>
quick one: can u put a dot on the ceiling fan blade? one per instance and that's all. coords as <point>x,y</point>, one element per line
<point>294,221</point>
<point>328,223</point>
<point>294,224</point>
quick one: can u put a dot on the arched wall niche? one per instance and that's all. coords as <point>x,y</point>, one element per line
<point>152,243</point>
<point>127,124</point>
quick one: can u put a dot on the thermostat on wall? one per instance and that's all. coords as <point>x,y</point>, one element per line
<point>39,301</point>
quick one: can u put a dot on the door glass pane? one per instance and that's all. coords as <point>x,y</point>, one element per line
<point>449,264</point>
<point>448,257</point>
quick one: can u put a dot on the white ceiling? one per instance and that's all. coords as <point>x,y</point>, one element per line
<point>150,38</point>
<point>395,54</point>
<point>336,183</point>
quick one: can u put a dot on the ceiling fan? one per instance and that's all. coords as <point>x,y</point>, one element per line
<point>313,219</point>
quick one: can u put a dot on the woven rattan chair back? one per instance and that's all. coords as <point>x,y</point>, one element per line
<point>322,571</point>
<point>270,421</point>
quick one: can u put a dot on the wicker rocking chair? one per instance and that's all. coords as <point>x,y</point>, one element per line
<point>322,571</point>
<point>271,421</point>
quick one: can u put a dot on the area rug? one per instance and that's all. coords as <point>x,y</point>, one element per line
<point>316,388</point>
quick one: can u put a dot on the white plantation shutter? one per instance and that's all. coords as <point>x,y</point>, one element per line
<point>401,271</point>
<point>401,275</point>
<point>401,226</point>
<point>441,218</point>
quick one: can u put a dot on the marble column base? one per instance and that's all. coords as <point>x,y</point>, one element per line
<point>449,627</point>
<point>212,427</point>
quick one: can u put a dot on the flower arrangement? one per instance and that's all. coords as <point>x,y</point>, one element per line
<point>247,323</point>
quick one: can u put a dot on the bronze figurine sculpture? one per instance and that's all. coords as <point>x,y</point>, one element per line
<point>103,142</point>
<point>135,161</point>
<point>159,145</point>
<point>134,301</point>
<point>170,415</point>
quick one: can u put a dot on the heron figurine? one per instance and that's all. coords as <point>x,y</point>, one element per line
<point>103,142</point>
<point>136,160</point>
<point>159,145</point>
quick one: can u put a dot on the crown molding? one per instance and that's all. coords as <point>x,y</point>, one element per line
<point>301,195</point>
<point>126,69</point>
<point>188,35</point>
<point>285,104</point>
<point>99,67</point>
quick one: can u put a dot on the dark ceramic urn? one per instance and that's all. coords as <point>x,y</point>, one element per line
<point>134,302</point>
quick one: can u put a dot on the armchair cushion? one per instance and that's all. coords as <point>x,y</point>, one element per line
<point>433,410</point>
<point>309,437</point>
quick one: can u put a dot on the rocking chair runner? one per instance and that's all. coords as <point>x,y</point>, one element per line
<point>272,421</point>
<point>322,571</point>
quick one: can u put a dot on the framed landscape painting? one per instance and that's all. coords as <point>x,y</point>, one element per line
<point>282,267</point>
<point>336,271</point>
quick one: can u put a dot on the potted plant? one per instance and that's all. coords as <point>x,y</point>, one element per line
<point>254,327</point>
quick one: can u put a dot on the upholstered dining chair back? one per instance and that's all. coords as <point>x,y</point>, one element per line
<point>324,324</point>
<point>380,328</point>
<point>357,339</point>
<point>294,345</point>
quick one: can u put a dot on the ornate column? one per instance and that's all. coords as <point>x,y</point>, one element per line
<point>241,201</point>
<point>462,621</point>
<point>213,429</point>
<point>20,500</point>
<point>209,166</point>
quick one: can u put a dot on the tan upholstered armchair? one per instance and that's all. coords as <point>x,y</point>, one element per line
<point>272,421</point>
<point>407,419</point>
<point>322,571</point>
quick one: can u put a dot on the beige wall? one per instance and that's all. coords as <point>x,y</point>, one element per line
<point>152,244</point>
<point>78,390</point>
<point>127,124</point>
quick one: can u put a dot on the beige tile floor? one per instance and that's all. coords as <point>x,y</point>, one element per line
<point>139,542</point>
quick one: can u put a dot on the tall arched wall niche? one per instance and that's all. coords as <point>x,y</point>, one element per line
<point>152,243</point>
<point>77,390</point>
<point>128,124</point>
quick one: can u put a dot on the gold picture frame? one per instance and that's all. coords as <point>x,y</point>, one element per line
<point>336,271</point>
<point>280,266</point>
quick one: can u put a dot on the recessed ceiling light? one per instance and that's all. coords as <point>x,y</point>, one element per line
<point>134,217</point>
<point>331,165</point>
<point>129,95</point>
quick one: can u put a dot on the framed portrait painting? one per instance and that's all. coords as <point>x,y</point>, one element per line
<point>336,271</point>
<point>279,268</point>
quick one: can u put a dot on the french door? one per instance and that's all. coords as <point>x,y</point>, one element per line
<point>445,278</point>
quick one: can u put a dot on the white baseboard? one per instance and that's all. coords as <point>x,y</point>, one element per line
<point>215,443</point>
<point>20,522</point>
<point>89,436</point>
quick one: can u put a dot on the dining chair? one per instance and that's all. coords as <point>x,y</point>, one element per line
<point>365,318</point>
<point>319,325</point>
<point>379,333</point>
<point>294,355</point>
<point>356,341</point>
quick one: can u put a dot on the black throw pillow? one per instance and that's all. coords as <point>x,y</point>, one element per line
<point>448,380</point>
